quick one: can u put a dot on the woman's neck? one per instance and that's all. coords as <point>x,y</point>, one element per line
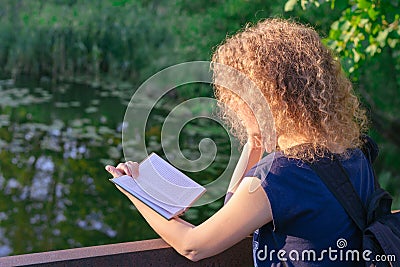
<point>285,142</point>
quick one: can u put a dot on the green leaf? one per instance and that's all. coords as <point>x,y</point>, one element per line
<point>381,38</point>
<point>303,4</point>
<point>372,13</point>
<point>333,4</point>
<point>364,4</point>
<point>289,6</point>
<point>335,25</point>
<point>392,42</point>
<point>345,26</point>
<point>356,55</point>
<point>362,22</point>
<point>371,49</point>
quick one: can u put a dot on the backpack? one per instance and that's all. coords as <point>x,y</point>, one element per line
<point>379,226</point>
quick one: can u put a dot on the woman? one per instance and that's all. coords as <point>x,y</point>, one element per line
<point>315,113</point>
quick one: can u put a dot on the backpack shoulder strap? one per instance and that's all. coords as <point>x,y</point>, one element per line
<point>336,179</point>
<point>369,148</point>
<point>371,151</point>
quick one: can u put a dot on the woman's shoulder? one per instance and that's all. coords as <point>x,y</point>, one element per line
<point>277,164</point>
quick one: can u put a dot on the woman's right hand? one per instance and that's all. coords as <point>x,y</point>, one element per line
<point>249,120</point>
<point>254,141</point>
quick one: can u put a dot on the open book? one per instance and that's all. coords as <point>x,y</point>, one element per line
<point>162,187</point>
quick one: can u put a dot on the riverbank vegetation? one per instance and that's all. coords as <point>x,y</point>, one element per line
<point>69,67</point>
<point>123,42</point>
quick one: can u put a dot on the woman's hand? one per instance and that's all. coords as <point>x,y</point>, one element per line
<point>128,168</point>
<point>249,120</point>
<point>255,142</point>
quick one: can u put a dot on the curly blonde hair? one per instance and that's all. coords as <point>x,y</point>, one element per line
<point>302,82</point>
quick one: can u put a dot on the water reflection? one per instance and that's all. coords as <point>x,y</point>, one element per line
<point>54,142</point>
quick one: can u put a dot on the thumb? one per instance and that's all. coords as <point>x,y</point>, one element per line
<point>114,172</point>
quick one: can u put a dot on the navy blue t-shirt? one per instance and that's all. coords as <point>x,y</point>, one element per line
<point>309,227</point>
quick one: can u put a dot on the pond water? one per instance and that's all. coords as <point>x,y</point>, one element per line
<point>54,143</point>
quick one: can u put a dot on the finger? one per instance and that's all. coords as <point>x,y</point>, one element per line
<point>134,168</point>
<point>114,171</point>
<point>126,169</point>
<point>120,167</point>
<point>255,141</point>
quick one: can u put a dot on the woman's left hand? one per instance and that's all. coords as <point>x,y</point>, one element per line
<point>128,168</point>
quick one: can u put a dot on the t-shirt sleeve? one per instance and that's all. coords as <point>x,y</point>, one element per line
<point>286,184</point>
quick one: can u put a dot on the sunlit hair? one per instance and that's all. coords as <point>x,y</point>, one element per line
<point>302,82</point>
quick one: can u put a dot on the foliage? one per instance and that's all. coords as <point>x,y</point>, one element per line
<point>73,38</point>
<point>363,30</point>
<point>366,39</point>
<point>117,44</point>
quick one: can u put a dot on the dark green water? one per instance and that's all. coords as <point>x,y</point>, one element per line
<point>54,143</point>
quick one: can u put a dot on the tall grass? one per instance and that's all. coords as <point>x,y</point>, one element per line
<point>63,39</point>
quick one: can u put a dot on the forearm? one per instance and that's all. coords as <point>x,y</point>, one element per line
<point>247,211</point>
<point>173,231</point>
<point>228,226</point>
<point>254,154</point>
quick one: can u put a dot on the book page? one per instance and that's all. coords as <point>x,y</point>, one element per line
<point>168,185</point>
<point>161,186</point>
<point>130,185</point>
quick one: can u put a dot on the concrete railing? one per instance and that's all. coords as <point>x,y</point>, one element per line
<point>153,252</point>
